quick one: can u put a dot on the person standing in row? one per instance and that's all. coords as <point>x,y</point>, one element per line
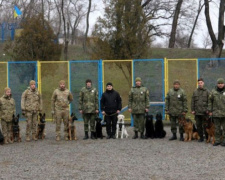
<point>199,106</point>
<point>111,106</point>
<point>61,99</point>
<point>138,105</point>
<point>31,105</point>
<point>88,107</point>
<point>7,109</point>
<point>176,104</point>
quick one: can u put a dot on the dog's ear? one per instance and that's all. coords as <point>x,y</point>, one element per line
<point>40,114</point>
<point>13,116</point>
<point>71,115</point>
<point>44,115</point>
<point>18,116</point>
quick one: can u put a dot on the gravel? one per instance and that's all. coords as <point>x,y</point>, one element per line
<point>154,159</point>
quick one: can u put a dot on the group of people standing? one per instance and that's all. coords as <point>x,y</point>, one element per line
<point>203,103</point>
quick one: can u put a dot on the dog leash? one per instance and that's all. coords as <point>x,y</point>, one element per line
<point>111,114</point>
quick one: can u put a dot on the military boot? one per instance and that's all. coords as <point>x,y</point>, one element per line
<point>28,138</point>
<point>9,140</point>
<point>143,136</point>
<point>57,138</point>
<point>174,137</point>
<point>92,135</point>
<point>34,137</point>
<point>66,138</point>
<point>181,137</point>
<point>86,136</point>
<point>201,139</point>
<point>135,135</point>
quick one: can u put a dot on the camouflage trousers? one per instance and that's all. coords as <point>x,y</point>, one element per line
<point>59,116</point>
<point>219,122</point>
<point>201,124</point>
<point>174,121</point>
<point>139,122</point>
<point>6,129</point>
<point>89,118</point>
<point>32,119</point>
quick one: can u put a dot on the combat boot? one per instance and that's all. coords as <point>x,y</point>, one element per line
<point>9,140</point>
<point>57,138</point>
<point>135,135</point>
<point>143,136</point>
<point>34,137</point>
<point>86,136</point>
<point>201,139</point>
<point>66,138</point>
<point>174,137</point>
<point>28,138</point>
<point>181,137</point>
<point>92,135</point>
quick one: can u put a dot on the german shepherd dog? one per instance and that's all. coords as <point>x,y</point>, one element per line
<point>149,127</point>
<point>41,127</point>
<point>210,129</point>
<point>72,128</point>
<point>159,131</point>
<point>98,128</point>
<point>189,128</point>
<point>16,137</point>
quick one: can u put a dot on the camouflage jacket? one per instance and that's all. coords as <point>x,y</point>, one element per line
<point>61,99</point>
<point>199,101</point>
<point>176,102</point>
<point>138,100</point>
<point>7,108</point>
<point>88,100</point>
<point>216,103</point>
<point>31,100</point>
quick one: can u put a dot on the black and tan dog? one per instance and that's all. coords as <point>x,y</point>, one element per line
<point>72,127</point>
<point>210,129</point>
<point>16,137</point>
<point>41,127</point>
<point>159,128</point>
<point>98,128</point>
<point>149,126</point>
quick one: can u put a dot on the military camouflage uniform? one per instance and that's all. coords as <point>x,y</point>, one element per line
<point>176,104</point>
<point>138,103</point>
<point>217,107</point>
<point>60,106</point>
<point>88,103</point>
<point>31,104</point>
<point>199,104</point>
<point>7,109</point>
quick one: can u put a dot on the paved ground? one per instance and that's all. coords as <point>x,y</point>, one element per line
<point>156,159</point>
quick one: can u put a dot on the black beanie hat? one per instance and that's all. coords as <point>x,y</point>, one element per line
<point>109,83</point>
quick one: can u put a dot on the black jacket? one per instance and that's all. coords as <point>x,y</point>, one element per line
<point>111,102</point>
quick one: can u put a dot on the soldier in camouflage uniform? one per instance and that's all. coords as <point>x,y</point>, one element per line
<point>138,105</point>
<point>31,105</point>
<point>176,104</point>
<point>199,106</point>
<point>216,108</point>
<point>88,107</point>
<point>7,109</point>
<point>61,98</point>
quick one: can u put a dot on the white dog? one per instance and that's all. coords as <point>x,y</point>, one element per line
<point>120,127</point>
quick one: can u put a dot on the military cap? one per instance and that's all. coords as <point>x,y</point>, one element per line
<point>32,82</point>
<point>220,81</point>
<point>176,82</point>
<point>109,84</point>
<point>137,79</point>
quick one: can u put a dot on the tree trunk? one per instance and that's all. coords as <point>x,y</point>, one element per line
<point>65,33</point>
<point>87,28</point>
<point>174,25</point>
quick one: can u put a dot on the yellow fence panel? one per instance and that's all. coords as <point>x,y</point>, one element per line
<point>3,77</point>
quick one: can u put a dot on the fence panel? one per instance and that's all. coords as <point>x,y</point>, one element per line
<point>80,71</point>
<point>51,73</point>
<point>185,70</point>
<point>20,74</point>
<point>210,70</point>
<point>3,77</point>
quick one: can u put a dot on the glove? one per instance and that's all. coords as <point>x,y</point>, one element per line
<point>53,112</point>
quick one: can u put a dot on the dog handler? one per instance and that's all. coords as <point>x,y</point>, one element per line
<point>61,98</point>
<point>7,109</point>
<point>110,106</point>
<point>216,109</point>
<point>176,104</point>
<point>31,104</point>
<point>199,105</point>
<point>88,107</point>
<point>138,105</point>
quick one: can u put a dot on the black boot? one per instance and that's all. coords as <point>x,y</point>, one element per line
<point>135,135</point>
<point>201,139</point>
<point>86,136</point>
<point>174,137</point>
<point>92,135</point>
<point>143,136</point>
<point>181,137</point>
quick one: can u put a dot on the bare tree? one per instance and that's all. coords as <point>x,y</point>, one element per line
<point>207,43</point>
